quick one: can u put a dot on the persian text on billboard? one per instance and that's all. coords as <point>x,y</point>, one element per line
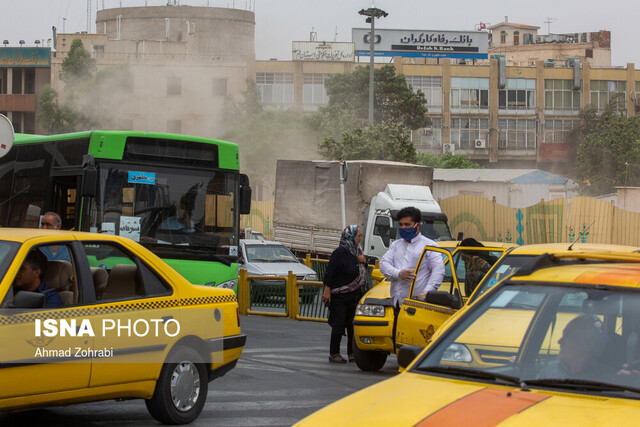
<point>418,43</point>
<point>323,51</point>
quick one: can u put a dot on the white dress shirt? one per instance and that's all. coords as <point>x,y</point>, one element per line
<point>403,255</point>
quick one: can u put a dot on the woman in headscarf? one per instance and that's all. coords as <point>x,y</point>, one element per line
<point>343,283</point>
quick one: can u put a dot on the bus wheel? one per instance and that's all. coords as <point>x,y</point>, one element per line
<point>181,389</point>
<point>368,360</point>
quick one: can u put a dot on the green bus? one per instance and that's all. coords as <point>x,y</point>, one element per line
<point>180,196</point>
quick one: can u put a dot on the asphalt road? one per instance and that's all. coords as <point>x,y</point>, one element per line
<point>283,375</point>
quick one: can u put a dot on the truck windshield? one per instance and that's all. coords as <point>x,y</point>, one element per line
<point>168,207</point>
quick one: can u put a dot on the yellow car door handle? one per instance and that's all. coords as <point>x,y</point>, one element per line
<point>410,310</point>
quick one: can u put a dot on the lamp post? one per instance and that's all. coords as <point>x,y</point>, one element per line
<point>372,13</point>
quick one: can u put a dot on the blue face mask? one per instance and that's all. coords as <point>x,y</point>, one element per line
<point>407,233</point>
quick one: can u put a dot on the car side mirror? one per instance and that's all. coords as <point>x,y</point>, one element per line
<point>25,299</point>
<point>442,298</point>
<point>240,260</point>
<point>407,354</point>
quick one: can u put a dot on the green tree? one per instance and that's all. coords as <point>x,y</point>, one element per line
<point>383,141</point>
<point>54,117</point>
<point>608,151</point>
<point>78,67</point>
<point>446,161</point>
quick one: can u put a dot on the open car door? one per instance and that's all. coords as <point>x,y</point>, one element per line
<point>464,269</point>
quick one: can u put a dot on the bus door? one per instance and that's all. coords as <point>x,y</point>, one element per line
<point>65,200</point>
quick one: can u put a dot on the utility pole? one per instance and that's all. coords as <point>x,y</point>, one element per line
<point>372,13</point>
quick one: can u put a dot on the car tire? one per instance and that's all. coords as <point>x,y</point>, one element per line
<point>369,360</point>
<point>181,389</point>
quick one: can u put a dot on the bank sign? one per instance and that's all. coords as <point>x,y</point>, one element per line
<point>422,43</point>
<point>25,57</point>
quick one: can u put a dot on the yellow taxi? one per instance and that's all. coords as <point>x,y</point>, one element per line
<point>108,319</point>
<point>373,322</point>
<point>555,344</point>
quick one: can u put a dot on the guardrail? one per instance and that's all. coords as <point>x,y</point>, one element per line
<point>284,296</point>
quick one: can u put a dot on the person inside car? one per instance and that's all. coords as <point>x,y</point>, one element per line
<point>29,278</point>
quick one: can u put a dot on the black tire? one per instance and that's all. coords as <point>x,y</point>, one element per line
<point>181,389</point>
<point>369,360</point>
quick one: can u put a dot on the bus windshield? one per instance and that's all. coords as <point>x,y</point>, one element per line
<point>168,206</point>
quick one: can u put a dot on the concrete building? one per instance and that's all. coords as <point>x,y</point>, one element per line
<point>24,72</point>
<point>521,45</point>
<point>185,63</point>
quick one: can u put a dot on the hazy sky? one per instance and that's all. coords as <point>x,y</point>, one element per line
<point>279,22</point>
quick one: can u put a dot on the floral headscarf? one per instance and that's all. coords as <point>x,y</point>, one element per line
<point>348,239</point>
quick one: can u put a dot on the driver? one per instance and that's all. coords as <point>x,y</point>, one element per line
<point>581,345</point>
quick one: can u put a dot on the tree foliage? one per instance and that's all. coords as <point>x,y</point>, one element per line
<point>446,161</point>
<point>608,151</point>
<point>383,141</point>
<point>78,66</point>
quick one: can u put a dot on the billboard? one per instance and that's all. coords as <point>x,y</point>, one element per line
<point>423,43</point>
<point>323,51</point>
<point>25,57</point>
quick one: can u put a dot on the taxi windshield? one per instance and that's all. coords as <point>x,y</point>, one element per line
<point>583,339</point>
<point>509,264</point>
<point>7,252</point>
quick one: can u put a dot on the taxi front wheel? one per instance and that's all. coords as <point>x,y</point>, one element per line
<point>369,360</point>
<point>181,389</point>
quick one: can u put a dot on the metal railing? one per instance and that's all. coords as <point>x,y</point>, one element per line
<point>284,296</point>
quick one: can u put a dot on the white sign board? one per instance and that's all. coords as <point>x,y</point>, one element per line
<point>130,227</point>
<point>323,51</point>
<point>422,43</point>
<point>6,135</point>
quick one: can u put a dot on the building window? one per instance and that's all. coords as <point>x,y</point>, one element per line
<point>174,86</point>
<point>275,89</point>
<point>516,38</point>
<point>219,87</point>
<point>560,96</point>
<point>30,81</point>
<point>557,131</point>
<point>431,87</point>
<point>606,92</point>
<point>174,126</point>
<point>517,134</point>
<point>469,94</point>
<point>430,137</point>
<point>520,94</point>
<point>503,37</point>
<point>465,131</point>
<point>314,94</point>
<point>98,51</point>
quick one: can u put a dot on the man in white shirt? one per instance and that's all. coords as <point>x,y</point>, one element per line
<point>399,262</point>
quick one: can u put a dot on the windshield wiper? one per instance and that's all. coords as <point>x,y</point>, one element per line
<point>580,384</point>
<point>475,373</point>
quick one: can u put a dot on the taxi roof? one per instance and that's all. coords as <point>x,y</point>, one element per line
<point>540,248</point>
<point>455,243</point>
<point>615,273</point>
<point>24,234</point>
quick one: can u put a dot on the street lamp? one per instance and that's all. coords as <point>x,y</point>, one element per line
<point>372,13</point>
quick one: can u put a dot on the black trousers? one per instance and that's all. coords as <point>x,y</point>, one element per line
<point>341,312</point>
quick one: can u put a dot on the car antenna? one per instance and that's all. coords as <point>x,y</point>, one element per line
<point>570,248</point>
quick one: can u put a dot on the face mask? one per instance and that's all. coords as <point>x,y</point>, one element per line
<point>407,233</point>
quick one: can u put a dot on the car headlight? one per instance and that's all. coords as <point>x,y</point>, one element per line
<point>370,310</point>
<point>311,277</point>
<point>457,353</point>
<point>230,284</point>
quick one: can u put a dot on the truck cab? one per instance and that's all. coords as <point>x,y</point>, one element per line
<point>381,217</point>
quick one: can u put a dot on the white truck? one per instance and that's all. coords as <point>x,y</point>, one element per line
<point>307,212</point>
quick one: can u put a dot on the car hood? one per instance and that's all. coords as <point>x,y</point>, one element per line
<point>414,399</point>
<point>278,268</point>
<point>380,291</point>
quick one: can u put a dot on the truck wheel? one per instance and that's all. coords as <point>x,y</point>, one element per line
<point>181,389</point>
<point>368,360</point>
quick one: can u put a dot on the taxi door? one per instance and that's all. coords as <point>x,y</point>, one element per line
<point>418,320</point>
<point>38,358</point>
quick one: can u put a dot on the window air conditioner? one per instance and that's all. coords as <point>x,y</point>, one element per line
<point>448,148</point>
<point>480,143</point>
